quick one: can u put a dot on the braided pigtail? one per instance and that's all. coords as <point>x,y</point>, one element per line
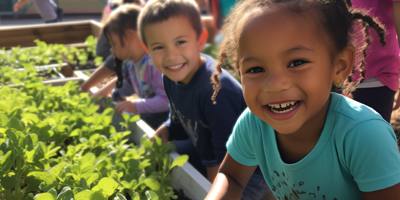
<point>367,21</point>
<point>215,79</point>
<point>118,70</point>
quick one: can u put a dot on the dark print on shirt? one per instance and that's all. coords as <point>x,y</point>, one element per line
<point>186,123</point>
<point>284,189</point>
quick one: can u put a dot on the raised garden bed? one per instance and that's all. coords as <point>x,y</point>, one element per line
<point>54,145</point>
<point>61,33</point>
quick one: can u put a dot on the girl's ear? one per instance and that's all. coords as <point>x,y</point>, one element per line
<point>145,48</point>
<point>344,64</point>
<point>203,39</point>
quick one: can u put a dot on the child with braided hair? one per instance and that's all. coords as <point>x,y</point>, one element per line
<point>309,143</point>
<point>135,70</point>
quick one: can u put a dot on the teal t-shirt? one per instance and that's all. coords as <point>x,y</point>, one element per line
<point>357,150</point>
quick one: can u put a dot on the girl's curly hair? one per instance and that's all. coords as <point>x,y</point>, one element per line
<point>339,21</point>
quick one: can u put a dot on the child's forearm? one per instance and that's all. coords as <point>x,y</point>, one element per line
<point>106,90</point>
<point>224,187</point>
<point>96,78</point>
<point>212,173</point>
<point>155,104</point>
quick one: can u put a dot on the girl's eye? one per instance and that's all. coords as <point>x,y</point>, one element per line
<point>157,48</point>
<point>297,63</point>
<point>255,70</point>
<point>180,42</point>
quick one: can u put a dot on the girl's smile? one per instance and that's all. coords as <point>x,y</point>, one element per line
<point>282,111</point>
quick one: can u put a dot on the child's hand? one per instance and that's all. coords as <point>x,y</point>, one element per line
<point>19,5</point>
<point>127,106</point>
<point>162,133</point>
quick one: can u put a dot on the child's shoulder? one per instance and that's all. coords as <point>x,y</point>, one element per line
<point>352,110</point>
<point>351,119</point>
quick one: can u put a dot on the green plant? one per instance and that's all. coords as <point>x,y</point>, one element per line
<point>45,54</point>
<point>52,139</point>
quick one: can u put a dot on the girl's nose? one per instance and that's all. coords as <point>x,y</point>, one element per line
<point>276,82</point>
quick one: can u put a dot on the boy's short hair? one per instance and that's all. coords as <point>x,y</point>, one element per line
<point>160,10</point>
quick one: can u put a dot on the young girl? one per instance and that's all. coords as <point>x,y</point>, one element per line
<point>138,72</point>
<point>103,49</point>
<point>308,142</point>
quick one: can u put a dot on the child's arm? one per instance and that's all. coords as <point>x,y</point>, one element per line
<point>97,77</point>
<point>162,132</point>
<point>158,103</point>
<point>391,193</point>
<point>106,90</point>
<point>231,180</point>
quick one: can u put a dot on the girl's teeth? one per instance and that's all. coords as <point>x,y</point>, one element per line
<point>283,111</point>
<point>283,105</point>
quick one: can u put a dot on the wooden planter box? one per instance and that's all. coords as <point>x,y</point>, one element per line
<point>60,33</point>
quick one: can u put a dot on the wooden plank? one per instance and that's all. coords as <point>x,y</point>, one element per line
<point>46,25</point>
<point>43,30</point>
<point>96,29</point>
<point>59,38</point>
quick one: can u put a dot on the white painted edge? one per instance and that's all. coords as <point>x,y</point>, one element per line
<point>83,76</point>
<point>182,181</point>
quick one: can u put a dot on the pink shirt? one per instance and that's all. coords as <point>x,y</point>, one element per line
<point>382,62</point>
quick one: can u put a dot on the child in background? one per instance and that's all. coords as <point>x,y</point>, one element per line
<point>309,143</point>
<point>173,34</point>
<point>103,49</point>
<point>137,70</point>
<point>382,64</point>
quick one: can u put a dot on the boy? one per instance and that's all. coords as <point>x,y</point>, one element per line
<point>173,34</point>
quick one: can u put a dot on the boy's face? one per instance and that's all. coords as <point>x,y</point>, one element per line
<point>174,48</point>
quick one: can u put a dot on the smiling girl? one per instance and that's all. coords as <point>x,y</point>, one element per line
<point>309,143</point>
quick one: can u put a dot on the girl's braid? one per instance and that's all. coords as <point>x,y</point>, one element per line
<point>367,21</point>
<point>215,79</point>
<point>118,70</point>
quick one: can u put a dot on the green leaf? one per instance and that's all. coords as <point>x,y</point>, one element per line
<point>75,132</point>
<point>158,141</point>
<point>151,195</point>
<point>9,181</point>
<point>45,196</point>
<point>136,196</point>
<point>134,118</point>
<point>29,197</point>
<point>57,169</point>
<point>120,197</point>
<point>66,194</point>
<point>3,119</point>
<point>123,124</point>
<point>30,141</point>
<point>107,186</point>
<point>83,183</point>
<point>15,124</point>
<point>97,195</point>
<point>53,192</point>
<point>152,183</point>
<point>41,180</point>
<point>84,195</point>
<point>179,161</point>
<point>126,116</point>
<point>4,107</point>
